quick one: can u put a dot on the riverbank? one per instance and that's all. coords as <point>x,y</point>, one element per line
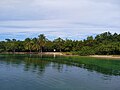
<point>65,54</point>
<point>47,53</point>
<point>106,56</point>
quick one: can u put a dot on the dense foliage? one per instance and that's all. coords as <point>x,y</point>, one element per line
<point>102,44</point>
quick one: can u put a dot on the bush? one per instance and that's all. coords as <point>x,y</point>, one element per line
<point>86,51</point>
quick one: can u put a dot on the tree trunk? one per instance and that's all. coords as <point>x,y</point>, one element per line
<point>14,50</point>
<point>30,50</point>
<point>41,50</point>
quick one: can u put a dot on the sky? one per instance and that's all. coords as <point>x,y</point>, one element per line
<point>73,19</point>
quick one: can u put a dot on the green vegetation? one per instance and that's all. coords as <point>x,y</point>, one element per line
<point>102,44</point>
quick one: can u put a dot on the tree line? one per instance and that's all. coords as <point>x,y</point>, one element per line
<point>102,44</point>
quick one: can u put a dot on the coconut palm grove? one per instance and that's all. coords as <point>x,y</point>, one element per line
<point>102,44</point>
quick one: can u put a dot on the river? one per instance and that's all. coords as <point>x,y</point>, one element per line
<point>44,72</point>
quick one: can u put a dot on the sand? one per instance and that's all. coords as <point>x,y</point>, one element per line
<point>106,56</point>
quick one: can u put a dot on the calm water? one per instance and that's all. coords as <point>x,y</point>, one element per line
<point>30,72</point>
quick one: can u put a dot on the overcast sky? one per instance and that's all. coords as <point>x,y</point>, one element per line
<point>74,19</point>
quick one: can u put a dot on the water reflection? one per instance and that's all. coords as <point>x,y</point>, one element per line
<point>39,63</point>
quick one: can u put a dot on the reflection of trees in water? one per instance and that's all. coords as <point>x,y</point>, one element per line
<point>38,64</point>
<point>30,64</point>
<point>58,66</point>
<point>35,65</point>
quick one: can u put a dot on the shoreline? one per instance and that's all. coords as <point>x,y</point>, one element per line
<point>37,53</point>
<point>64,54</point>
<point>106,56</point>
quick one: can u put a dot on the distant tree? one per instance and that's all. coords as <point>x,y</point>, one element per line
<point>13,45</point>
<point>28,44</point>
<point>68,45</point>
<point>103,44</point>
<point>35,44</point>
<point>49,46</point>
<point>90,38</point>
<point>58,44</point>
<point>41,41</point>
<point>2,46</point>
<point>86,50</point>
<point>8,40</point>
<point>89,41</point>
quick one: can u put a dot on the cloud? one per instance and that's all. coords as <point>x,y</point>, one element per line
<point>65,18</point>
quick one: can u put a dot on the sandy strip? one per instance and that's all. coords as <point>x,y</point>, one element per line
<point>106,56</point>
<point>52,53</point>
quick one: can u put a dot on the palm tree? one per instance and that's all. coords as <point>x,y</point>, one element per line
<point>59,42</point>
<point>7,44</point>
<point>14,45</point>
<point>35,44</point>
<point>28,44</point>
<point>41,41</point>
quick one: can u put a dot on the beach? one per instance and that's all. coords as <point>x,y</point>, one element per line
<point>106,56</point>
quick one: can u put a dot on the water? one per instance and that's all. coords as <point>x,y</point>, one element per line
<point>32,72</point>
